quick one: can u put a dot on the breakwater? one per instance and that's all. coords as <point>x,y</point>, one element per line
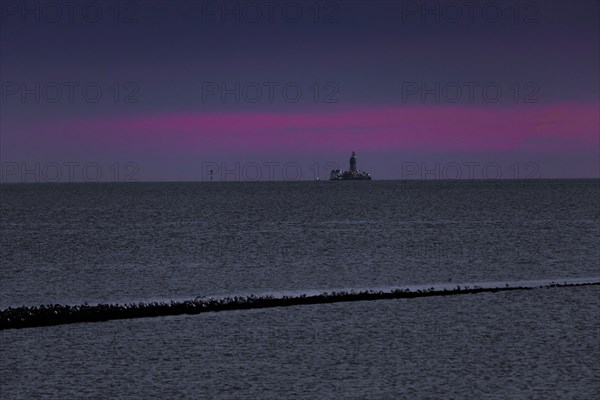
<point>57,314</point>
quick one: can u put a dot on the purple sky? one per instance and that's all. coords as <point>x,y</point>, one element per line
<point>415,88</point>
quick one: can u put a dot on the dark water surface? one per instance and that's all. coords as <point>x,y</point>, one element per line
<point>76,243</point>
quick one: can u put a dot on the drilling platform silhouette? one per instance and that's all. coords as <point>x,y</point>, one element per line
<point>353,175</point>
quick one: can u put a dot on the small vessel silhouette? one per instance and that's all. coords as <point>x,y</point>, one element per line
<point>351,175</point>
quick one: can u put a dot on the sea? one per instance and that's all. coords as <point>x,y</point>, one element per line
<point>78,243</point>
